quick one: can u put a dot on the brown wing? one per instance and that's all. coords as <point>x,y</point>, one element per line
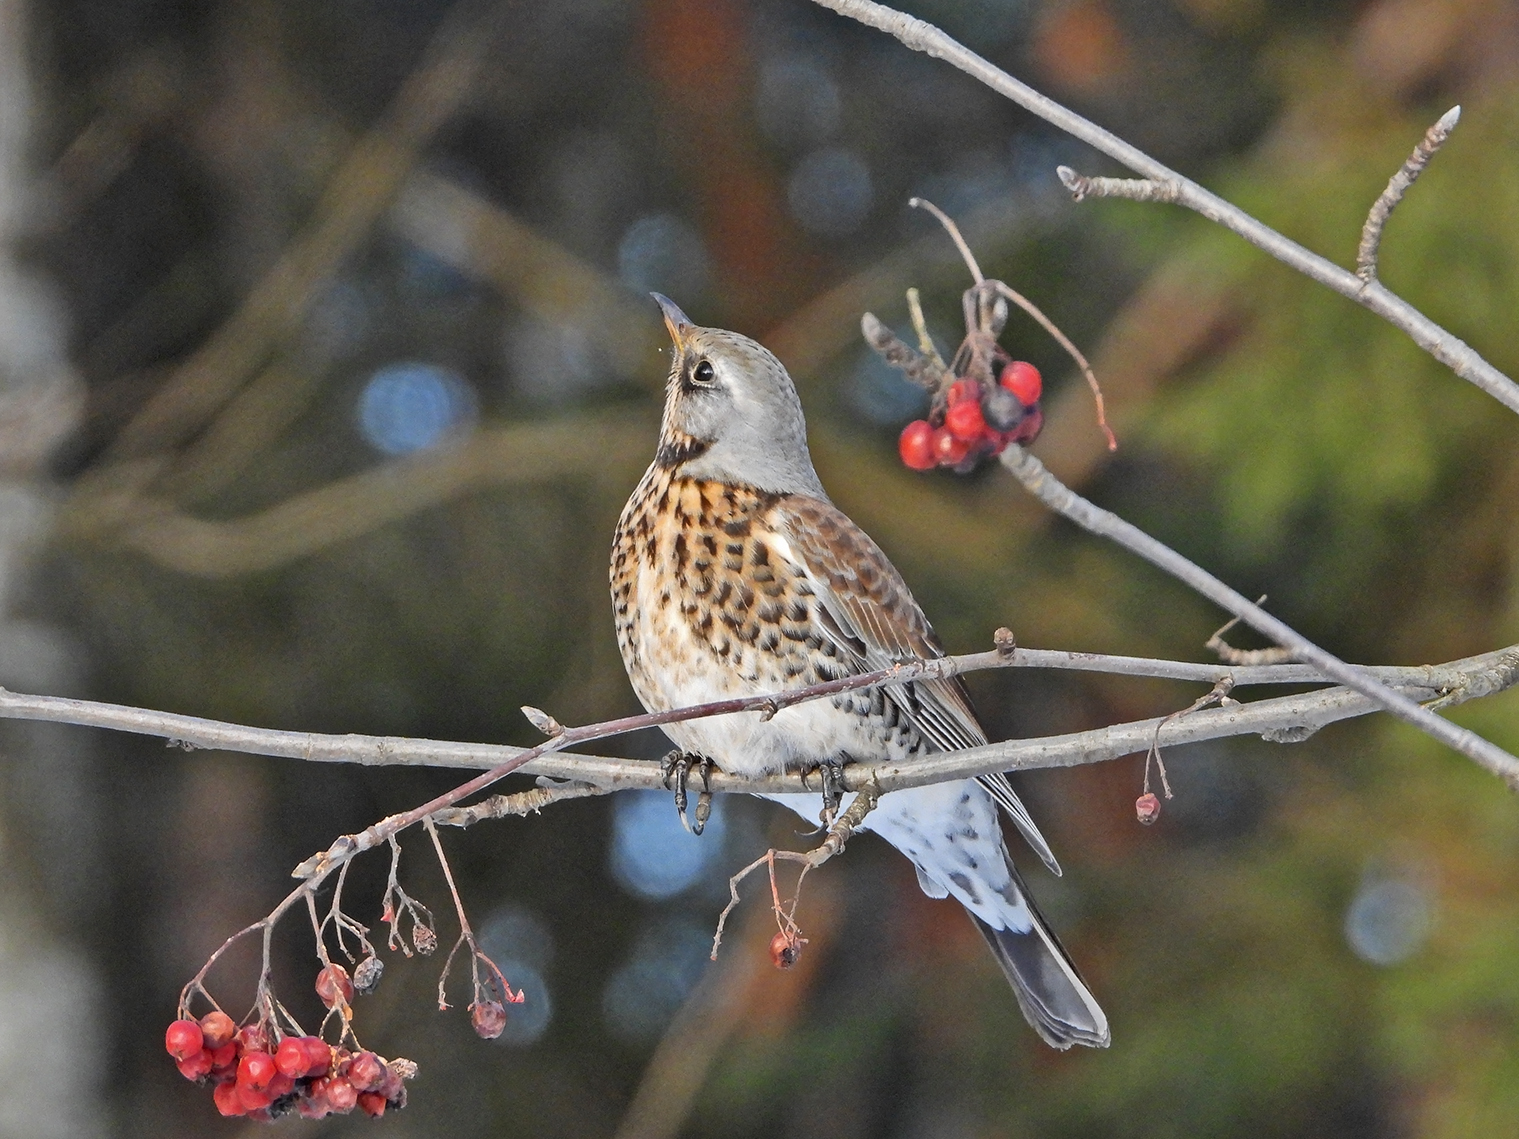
<point>867,611</point>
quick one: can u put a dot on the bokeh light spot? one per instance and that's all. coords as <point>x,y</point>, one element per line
<point>830,192</point>
<point>653,856</point>
<point>409,406</point>
<point>1388,920</point>
<point>796,101</point>
<point>643,995</point>
<point>661,253</point>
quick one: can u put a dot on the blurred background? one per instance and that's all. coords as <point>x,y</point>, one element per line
<point>326,364</point>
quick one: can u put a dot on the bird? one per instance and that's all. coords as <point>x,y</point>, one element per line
<point>733,574</point>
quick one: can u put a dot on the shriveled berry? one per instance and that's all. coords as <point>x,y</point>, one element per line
<point>1001,409</point>
<point>313,1107</point>
<point>366,1072</point>
<point>949,451</point>
<point>489,1019</point>
<point>962,390</point>
<point>916,446</point>
<point>785,949</point>
<point>424,938</point>
<point>196,1065</point>
<point>367,975</point>
<point>256,1070</point>
<point>1023,380</point>
<point>1147,808</point>
<point>226,1099</point>
<point>372,1104</point>
<point>965,421</point>
<point>332,983</point>
<point>1028,430</point>
<point>252,1038</point>
<point>183,1039</point>
<point>340,1095</point>
<point>216,1029</point>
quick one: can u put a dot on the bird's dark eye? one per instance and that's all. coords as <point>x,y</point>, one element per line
<point>703,372</point>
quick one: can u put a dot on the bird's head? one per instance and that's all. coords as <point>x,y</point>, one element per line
<point>731,412</point>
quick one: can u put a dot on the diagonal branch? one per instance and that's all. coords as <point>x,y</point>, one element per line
<point>1444,346</point>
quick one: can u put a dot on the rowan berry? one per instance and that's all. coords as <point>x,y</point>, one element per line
<point>256,1070</point>
<point>216,1029</point>
<point>948,450</point>
<point>489,1019</point>
<point>252,1038</point>
<point>1028,430</point>
<point>340,1095</point>
<point>319,1056</point>
<point>965,421</point>
<point>331,983</point>
<point>183,1039</point>
<point>291,1057</point>
<point>1147,808</point>
<point>252,1099</point>
<point>281,1086</point>
<point>916,446</point>
<point>226,1099</point>
<point>366,1072</point>
<point>962,391</point>
<point>195,1065</point>
<point>223,1059</point>
<point>1001,409</point>
<point>1023,380</point>
<point>372,1104</point>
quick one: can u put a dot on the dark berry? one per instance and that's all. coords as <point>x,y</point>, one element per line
<point>1147,808</point>
<point>489,1019</point>
<point>216,1029</point>
<point>785,948</point>
<point>1001,409</point>
<point>367,975</point>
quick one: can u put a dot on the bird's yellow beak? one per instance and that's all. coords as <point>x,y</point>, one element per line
<point>677,323</point>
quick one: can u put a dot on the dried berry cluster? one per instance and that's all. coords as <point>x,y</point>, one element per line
<point>258,1072</point>
<point>974,420</point>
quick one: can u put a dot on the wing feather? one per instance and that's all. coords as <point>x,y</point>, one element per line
<point>867,611</point>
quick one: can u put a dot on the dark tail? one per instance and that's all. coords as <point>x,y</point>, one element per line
<point>1052,995</point>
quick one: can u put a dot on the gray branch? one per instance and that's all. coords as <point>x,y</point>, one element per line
<point>1449,349</point>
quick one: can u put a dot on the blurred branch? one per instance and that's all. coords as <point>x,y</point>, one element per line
<point>1044,486</point>
<point>347,508</point>
<point>1288,717</point>
<point>1442,345</point>
<point>358,193</point>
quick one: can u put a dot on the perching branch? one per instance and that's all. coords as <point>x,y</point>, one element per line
<point>1049,490</point>
<point>1290,717</point>
<point>1444,346</point>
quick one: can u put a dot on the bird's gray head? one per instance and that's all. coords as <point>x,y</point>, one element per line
<point>731,412</point>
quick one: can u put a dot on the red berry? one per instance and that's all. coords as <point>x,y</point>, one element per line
<point>489,1019</point>
<point>252,1038</point>
<point>252,1099</point>
<point>319,1056</point>
<point>281,1086</point>
<point>340,1095</point>
<point>333,982</point>
<point>965,421</point>
<point>785,948</point>
<point>223,1059</point>
<point>226,1099</point>
<point>216,1029</point>
<point>291,1057</point>
<point>372,1104</point>
<point>1147,808</point>
<point>948,450</point>
<point>366,1072</point>
<point>183,1039</point>
<point>312,1108</point>
<point>196,1065</point>
<point>916,446</point>
<point>256,1070</point>
<point>1023,380</point>
<point>962,391</point>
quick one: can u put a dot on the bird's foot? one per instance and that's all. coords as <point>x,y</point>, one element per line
<point>677,766</point>
<point>832,774</point>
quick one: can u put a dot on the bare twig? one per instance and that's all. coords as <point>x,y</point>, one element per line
<point>1135,189</point>
<point>1058,497</point>
<point>1231,655</point>
<point>1460,357</point>
<point>1397,186</point>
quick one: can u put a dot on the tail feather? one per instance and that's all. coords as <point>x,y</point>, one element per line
<point>1051,993</point>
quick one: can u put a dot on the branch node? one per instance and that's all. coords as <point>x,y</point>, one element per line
<point>541,720</point>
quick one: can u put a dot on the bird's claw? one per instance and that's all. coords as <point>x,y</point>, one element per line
<point>832,774</point>
<point>677,766</point>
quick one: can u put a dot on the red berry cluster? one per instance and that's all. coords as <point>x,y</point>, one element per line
<point>302,1073</point>
<point>974,421</point>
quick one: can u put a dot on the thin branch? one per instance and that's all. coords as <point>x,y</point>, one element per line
<point>1397,186</point>
<point>1134,189</point>
<point>1049,490</point>
<point>1292,717</point>
<point>1460,357</point>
